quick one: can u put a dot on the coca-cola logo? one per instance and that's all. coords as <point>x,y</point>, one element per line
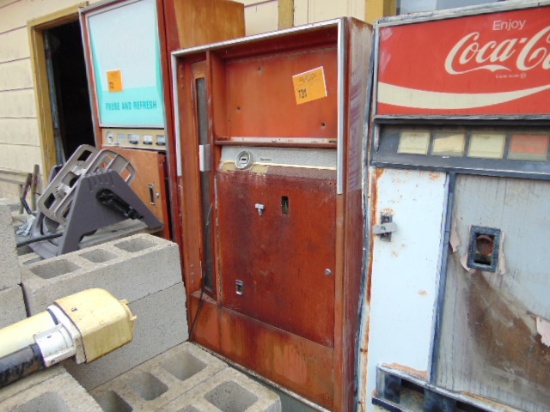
<point>472,53</point>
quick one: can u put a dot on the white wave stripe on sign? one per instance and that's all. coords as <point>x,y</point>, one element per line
<point>422,99</point>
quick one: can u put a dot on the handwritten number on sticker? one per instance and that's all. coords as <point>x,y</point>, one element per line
<point>310,85</point>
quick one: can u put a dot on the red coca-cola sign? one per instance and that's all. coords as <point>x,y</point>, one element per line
<point>494,64</point>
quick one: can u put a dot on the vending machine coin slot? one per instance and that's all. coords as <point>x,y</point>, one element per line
<point>483,249</point>
<point>244,160</point>
<point>239,287</point>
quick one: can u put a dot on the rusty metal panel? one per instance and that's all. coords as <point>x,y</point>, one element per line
<point>260,92</point>
<point>278,262</point>
<point>288,231</point>
<point>298,364</point>
<point>494,342</point>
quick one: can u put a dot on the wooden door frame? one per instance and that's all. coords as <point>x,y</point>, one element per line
<point>36,28</point>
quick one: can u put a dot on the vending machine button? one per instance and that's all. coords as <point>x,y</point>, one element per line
<point>161,140</point>
<point>110,137</point>
<point>133,138</point>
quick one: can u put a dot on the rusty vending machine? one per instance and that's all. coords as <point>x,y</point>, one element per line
<point>271,154</point>
<point>128,45</point>
<point>459,287</point>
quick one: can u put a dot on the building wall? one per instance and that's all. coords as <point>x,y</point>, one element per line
<point>310,11</point>
<point>20,147</point>
<point>20,144</point>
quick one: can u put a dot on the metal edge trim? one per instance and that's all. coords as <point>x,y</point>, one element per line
<point>257,37</point>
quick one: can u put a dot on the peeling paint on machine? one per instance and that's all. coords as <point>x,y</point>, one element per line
<point>458,303</point>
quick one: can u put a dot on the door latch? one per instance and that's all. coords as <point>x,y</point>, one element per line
<point>385,228</point>
<point>260,208</point>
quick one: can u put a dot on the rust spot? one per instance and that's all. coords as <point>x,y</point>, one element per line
<point>409,371</point>
<point>377,174</point>
<point>434,176</point>
<point>395,253</point>
<point>422,293</point>
<point>501,327</point>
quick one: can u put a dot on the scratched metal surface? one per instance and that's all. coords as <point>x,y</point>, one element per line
<point>490,346</point>
<point>281,255</point>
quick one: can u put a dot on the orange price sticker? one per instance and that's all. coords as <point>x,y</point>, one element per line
<point>114,79</point>
<point>310,85</point>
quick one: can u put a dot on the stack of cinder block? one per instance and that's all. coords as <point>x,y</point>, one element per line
<point>144,270</point>
<point>53,389</point>
<point>12,304</point>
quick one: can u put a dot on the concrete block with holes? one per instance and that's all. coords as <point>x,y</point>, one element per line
<point>185,378</point>
<point>10,274</point>
<point>13,204</point>
<point>130,268</point>
<point>159,381</point>
<point>160,325</point>
<point>12,306</point>
<point>229,390</point>
<point>50,390</point>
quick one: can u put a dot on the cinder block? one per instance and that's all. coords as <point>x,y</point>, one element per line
<point>12,306</point>
<point>10,274</point>
<point>228,391</point>
<point>129,268</point>
<point>160,380</point>
<point>161,324</point>
<point>28,258</point>
<point>50,390</point>
<point>13,204</point>
<point>28,382</point>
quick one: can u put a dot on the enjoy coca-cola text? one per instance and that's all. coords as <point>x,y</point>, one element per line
<point>473,53</point>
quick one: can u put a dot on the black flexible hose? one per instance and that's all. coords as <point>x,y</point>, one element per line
<point>20,364</point>
<point>39,239</point>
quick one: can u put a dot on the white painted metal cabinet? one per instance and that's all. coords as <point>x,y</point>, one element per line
<point>457,314</point>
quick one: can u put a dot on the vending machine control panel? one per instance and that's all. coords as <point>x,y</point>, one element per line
<point>152,139</point>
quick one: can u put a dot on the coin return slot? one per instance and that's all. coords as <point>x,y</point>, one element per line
<point>239,287</point>
<point>285,205</point>
<point>483,250</point>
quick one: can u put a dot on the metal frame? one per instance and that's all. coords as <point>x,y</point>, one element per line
<point>342,55</point>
